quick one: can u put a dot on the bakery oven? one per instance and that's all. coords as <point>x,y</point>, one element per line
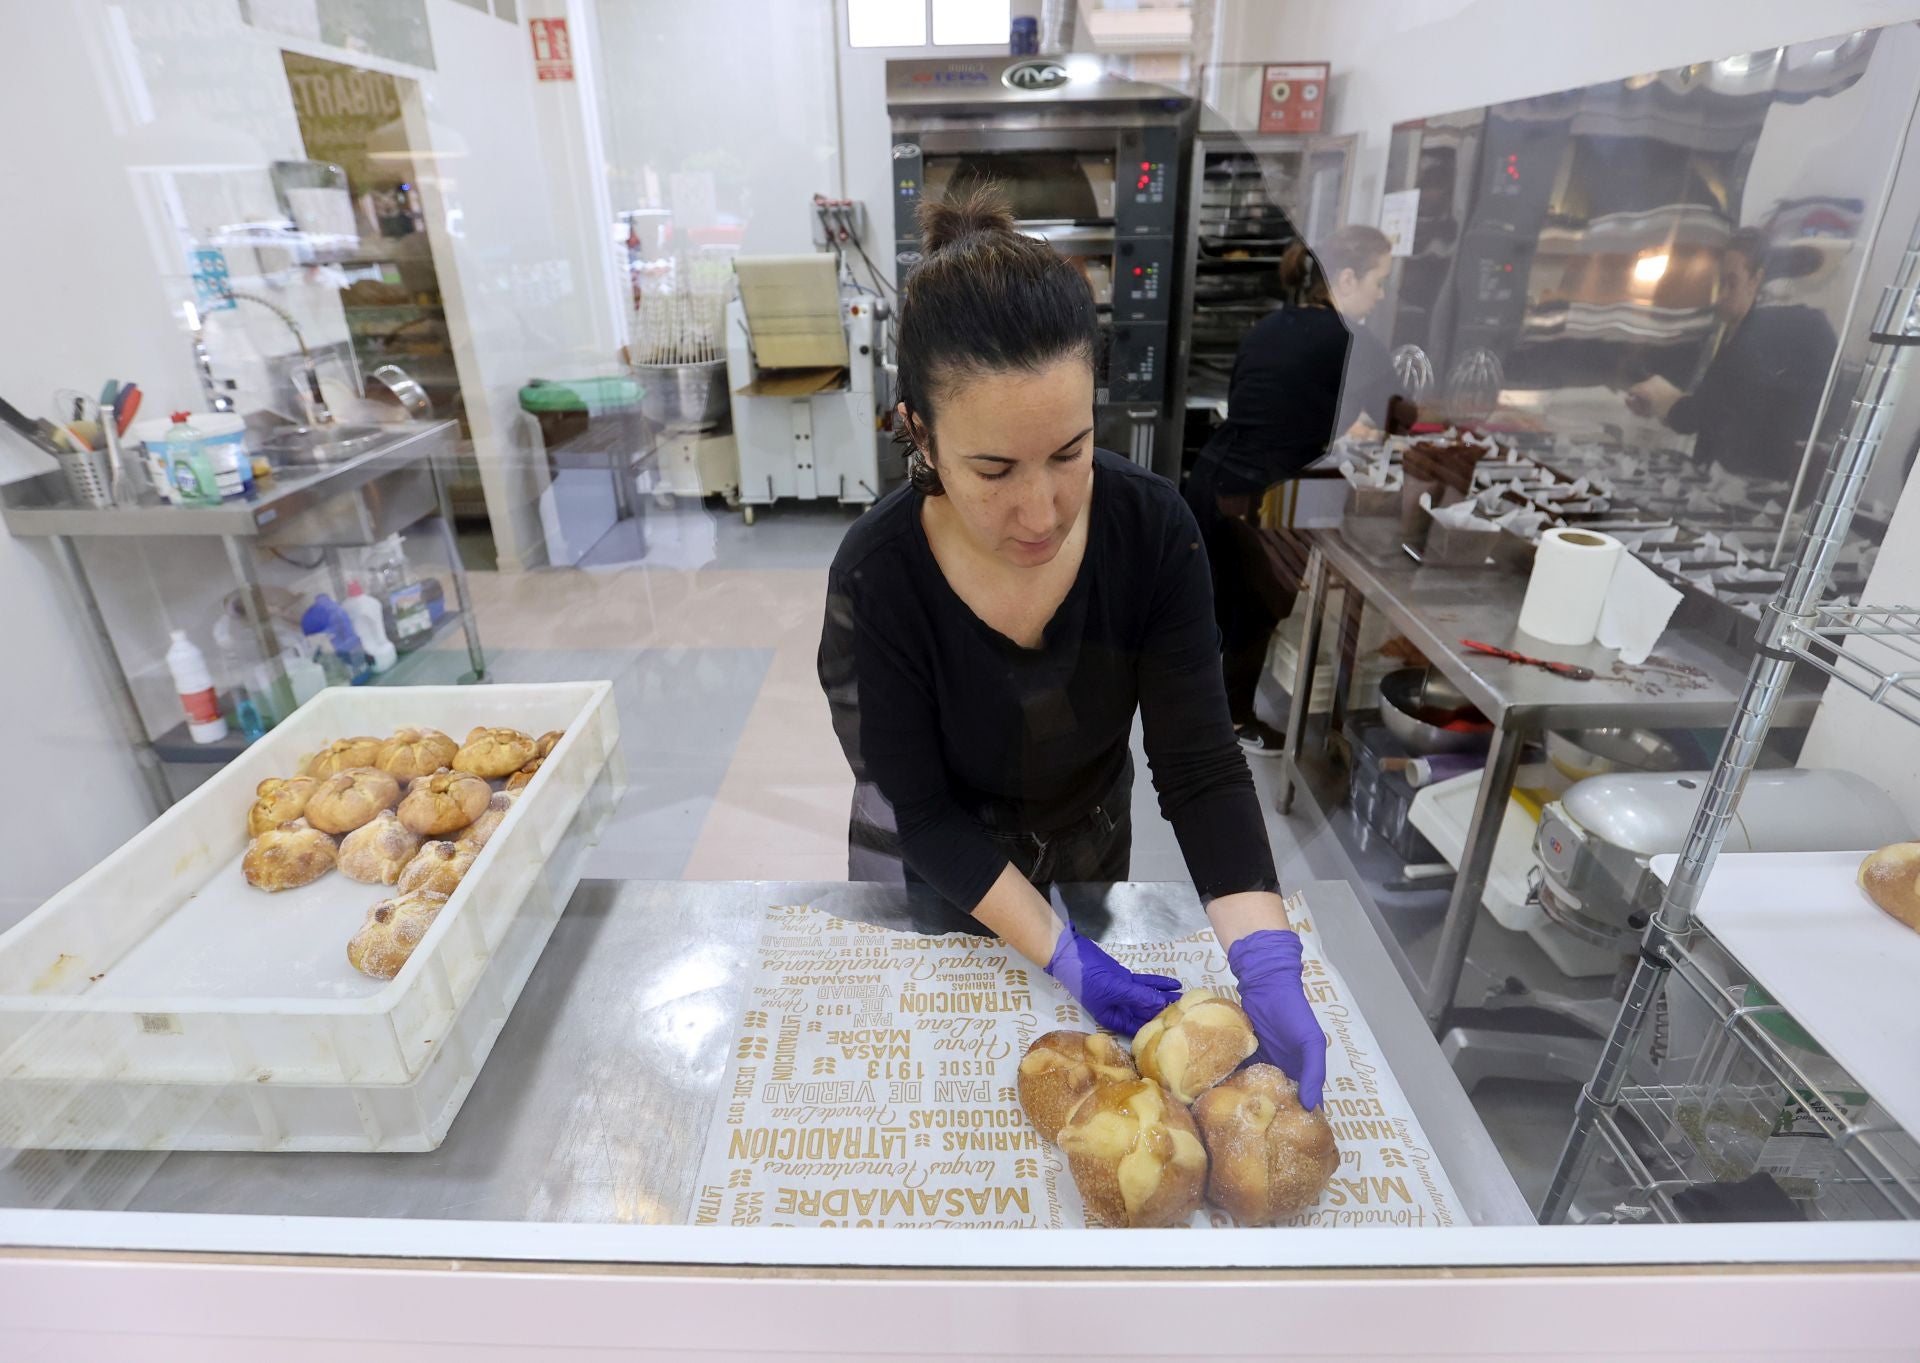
<point>1091,162</point>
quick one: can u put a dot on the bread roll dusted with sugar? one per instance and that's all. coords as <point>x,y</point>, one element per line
<point>342,754</point>
<point>1891,878</point>
<point>351,798</point>
<point>1269,1157</point>
<point>1061,1068</point>
<point>437,867</point>
<point>393,928</point>
<point>279,800</point>
<point>375,852</point>
<point>412,753</point>
<point>1194,1043</point>
<point>494,753</point>
<point>444,802</point>
<point>488,823</point>
<point>287,857</point>
<point>1136,1156</point>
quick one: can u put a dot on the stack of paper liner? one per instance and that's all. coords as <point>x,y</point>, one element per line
<point>871,1083</point>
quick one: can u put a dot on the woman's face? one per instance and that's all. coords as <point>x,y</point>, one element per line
<point>1356,295</point>
<point>1014,450</point>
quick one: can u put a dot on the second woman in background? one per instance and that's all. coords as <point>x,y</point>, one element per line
<point>1304,375</point>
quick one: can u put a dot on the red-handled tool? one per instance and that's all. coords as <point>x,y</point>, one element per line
<point>1572,671</point>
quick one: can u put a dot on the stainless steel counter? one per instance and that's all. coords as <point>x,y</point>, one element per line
<point>42,505</point>
<point>595,1104</point>
<point>1689,681</point>
<point>357,501</point>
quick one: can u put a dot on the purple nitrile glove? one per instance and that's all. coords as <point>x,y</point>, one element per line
<point>1267,965</point>
<point>1119,1000</point>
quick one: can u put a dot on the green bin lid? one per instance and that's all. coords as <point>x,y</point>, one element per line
<point>610,391</point>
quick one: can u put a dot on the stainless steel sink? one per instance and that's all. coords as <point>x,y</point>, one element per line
<point>321,444</point>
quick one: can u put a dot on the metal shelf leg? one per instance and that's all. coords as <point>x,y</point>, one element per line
<point>469,625</point>
<point>152,775</point>
<point>247,574</point>
<point>1476,859</point>
<point>1312,599</point>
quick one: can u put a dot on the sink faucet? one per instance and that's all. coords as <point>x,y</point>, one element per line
<point>317,413</point>
<point>218,391</point>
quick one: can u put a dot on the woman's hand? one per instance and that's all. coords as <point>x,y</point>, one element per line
<point>1267,965</point>
<point>1119,1000</point>
<point>1264,953</point>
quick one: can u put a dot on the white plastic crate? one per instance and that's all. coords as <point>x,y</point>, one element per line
<point>132,1114</point>
<point>162,966</point>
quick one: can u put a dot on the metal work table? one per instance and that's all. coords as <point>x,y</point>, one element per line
<point>356,501</point>
<point>595,1103</point>
<point>1690,681</point>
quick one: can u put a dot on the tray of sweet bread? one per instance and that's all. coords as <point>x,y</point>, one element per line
<point>320,911</point>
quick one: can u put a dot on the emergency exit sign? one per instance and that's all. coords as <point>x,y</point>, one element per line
<point>1293,97</point>
<point>552,49</point>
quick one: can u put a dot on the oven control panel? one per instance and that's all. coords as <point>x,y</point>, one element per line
<point>1146,174</point>
<point>1142,279</point>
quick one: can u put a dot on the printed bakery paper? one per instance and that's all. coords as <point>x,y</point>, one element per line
<point>872,1084</point>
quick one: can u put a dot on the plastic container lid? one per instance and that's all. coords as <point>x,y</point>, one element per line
<point>609,392</point>
<point>211,425</point>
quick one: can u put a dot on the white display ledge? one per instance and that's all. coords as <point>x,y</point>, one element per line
<point>721,1246</point>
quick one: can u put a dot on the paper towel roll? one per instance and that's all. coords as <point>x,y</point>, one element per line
<point>1571,570</point>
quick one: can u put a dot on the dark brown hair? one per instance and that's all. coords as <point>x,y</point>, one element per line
<point>984,298</point>
<point>1307,276</point>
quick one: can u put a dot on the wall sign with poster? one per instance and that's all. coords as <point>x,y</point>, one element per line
<point>1293,97</point>
<point>552,49</point>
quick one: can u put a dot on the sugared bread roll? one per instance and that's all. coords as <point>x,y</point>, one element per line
<point>280,800</point>
<point>444,802</point>
<point>1891,878</point>
<point>342,754</point>
<point>1194,1043</point>
<point>393,928</point>
<point>437,867</point>
<point>287,857</point>
<point>488,823</point>
<point>494,753</point>
<point>375,852</point>
<point>415,752</point>
<point>1135,1155</point>
<point>351,798</point>
<point>1270,1157</point>
<point>1061,1068</point>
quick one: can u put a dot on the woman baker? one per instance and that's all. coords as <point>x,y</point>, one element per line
<point>992,627</point>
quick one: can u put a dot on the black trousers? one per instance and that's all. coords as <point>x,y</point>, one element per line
<point>1256,576</point>
<point>1097,849</point>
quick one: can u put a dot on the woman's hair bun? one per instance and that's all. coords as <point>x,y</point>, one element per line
<point>978,209</point>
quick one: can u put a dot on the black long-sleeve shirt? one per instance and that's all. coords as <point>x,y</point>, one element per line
<point>949,718</point>
<point>1300,378</point>
<point>1752,410</point>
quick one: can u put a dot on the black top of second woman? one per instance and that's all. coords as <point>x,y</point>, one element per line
<point>950,719</point>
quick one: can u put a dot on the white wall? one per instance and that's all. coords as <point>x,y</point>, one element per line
<point>121,124</point>
<point>742,92</point>
<point>1398,59</point>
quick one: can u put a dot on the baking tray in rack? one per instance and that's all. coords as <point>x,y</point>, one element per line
<point>162,968</point>
<point>1827,954</point>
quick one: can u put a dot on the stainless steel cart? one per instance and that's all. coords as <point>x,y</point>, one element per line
<point>396,483</point>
